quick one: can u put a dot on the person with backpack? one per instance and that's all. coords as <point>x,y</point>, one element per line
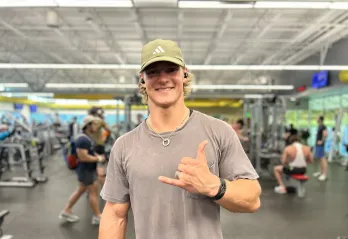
<point>99,138</point>
<point>86,171</point>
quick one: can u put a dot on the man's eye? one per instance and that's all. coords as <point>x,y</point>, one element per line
<point>151,72</point>
<point>173,69</point>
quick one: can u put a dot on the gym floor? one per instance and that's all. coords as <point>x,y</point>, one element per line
<point>322,214</point>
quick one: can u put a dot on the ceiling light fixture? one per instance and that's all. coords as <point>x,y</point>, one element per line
<point>191,67</point>
<point>66,3</point>
<point>267,4</point>
<point>198,87</point>
<point>292,5</point>
<point>212,4</point>
<point>14,85</point>
<point>100,86</point>
<point>339,5</point>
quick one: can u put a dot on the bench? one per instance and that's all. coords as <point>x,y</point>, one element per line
<point>300,179</point>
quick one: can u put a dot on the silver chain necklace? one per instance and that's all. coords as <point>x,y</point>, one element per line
<point>166,141</point>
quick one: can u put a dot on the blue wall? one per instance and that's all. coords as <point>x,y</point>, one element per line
<point>67,118</point>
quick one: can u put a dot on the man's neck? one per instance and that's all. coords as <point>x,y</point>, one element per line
<point>169,119</point>
<point>87,133</point>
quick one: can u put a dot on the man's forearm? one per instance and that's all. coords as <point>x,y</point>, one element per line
<point>88,159</point>
<point>113,229</point>
<point>241,195</point>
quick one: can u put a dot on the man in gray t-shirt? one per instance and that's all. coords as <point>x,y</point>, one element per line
<point>178,166</point>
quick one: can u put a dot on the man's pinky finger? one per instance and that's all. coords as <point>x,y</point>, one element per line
<point>171,181</point>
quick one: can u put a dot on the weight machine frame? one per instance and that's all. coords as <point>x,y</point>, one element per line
<point>27,180</point>
<point>334,137</point>
<point>257,128</point>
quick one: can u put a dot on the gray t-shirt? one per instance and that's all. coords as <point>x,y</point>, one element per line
<point>161,210</point>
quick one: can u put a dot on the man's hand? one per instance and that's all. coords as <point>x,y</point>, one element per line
<point>194,175</point>
<point>101,156</point>
<point>320,142</point>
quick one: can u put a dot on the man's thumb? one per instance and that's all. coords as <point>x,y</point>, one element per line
<point>201,150</point>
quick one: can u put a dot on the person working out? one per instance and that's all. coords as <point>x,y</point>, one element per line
<point>73,129</point>
<point>294,160</point>
<point>177,167</point>
<point>6,131</point>
<point>288,133</point>
<point>86,171</point>
<point>99,139</point>
<point>320,150</point>
<point>139,120</point>
<point>239,129</point>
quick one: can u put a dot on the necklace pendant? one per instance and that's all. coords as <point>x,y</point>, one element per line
<point>166,142</point>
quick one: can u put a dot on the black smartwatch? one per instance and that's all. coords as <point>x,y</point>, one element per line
<point>221,192</point>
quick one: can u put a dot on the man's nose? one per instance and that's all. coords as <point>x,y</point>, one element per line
<point>163,76</point>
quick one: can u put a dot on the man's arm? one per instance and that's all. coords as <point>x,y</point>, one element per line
<point>308,154</point>
<point>325,134</point>
<point>242,187</point>
<point>284,156</point>
<point>115,192</point>
<point>105,125</point>
<point>113,223</point>
<point>83,156</point>
<point>82,146</point>
<point>242,195</point>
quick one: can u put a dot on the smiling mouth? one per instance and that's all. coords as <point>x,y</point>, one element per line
<point>165,89</point>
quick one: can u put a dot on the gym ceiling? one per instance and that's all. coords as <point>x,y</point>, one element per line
<point>97,47</point>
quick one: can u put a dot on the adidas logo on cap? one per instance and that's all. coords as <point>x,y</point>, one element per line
<point>158,50</point>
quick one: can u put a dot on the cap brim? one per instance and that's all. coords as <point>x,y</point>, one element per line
<point>163,58</point>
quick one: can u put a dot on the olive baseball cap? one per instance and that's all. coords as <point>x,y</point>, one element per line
<point>88,119</point>
<point>161,50</point>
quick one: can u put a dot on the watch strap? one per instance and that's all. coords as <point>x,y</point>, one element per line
<point>221,192</point>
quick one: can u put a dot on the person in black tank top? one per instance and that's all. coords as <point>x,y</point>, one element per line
<point>320,149</point>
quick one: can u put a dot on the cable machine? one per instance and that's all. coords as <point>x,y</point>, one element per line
<point>266,132</point>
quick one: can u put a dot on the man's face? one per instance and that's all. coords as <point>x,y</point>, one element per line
<point>164,83</point>
<point>319,121</point>
<point>94,127</point>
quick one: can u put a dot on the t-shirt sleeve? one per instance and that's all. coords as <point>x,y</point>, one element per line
<point>234,163</point>
<point>116,186</point>
<point>83,143</point>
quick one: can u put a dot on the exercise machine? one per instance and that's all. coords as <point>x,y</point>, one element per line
<point>3,214</point>
<point>26,180</point>
<point>21,149</point>
<point>297,182</point>
<point>267,117</point>
<point>334,156</point>
<point>129,100</point>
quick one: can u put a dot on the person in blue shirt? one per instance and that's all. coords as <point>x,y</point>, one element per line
<point>6,131</point>
<point>320,149</point>
<point>86,171</point>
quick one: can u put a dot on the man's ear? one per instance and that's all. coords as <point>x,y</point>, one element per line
<point>141,78</point>
<point>186,74</point>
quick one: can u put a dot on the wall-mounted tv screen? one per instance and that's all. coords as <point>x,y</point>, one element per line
<point>18,106</point>
<point>320,79</point>
<point>33,108</point>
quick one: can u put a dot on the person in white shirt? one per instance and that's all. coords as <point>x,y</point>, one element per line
<point>294,160</point>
